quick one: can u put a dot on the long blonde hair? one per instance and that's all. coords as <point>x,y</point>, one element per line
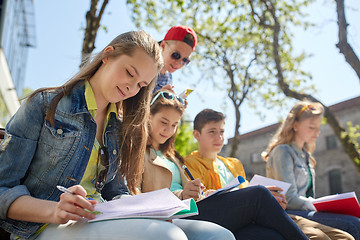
<point>134,110</point>
<point>167,148</point>
<point>286,134</point>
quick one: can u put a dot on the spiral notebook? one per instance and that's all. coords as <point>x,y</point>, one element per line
<point>160,204</point>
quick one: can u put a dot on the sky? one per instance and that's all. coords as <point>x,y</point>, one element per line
<point>59,35</point>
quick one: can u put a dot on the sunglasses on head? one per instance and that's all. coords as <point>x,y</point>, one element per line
<point>176,56</point>
<point>101,176</point>
<point>310,107</point>
<point>169,96</point>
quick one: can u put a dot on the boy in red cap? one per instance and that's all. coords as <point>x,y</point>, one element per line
<point>177,46</point>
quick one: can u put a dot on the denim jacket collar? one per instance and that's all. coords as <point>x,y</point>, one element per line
<point>78,99</point>
<point>301,153</point>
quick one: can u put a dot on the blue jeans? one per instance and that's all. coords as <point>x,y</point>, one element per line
<point>249,213</point>
<point>137,229</point>
<point>346,223</point>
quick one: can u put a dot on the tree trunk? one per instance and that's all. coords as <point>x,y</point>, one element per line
<point>343,45</point>
<point>236,141</point>
<point>92,27</point>
<point>348,146</point>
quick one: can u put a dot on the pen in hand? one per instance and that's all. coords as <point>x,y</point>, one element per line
<point>188,172</point>
<point>66,190</point>
<point>190,176</point>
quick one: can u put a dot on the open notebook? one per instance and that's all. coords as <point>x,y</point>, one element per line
<point>160,204</point>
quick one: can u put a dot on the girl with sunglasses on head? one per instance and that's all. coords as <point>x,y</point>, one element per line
<point>289,158</point>
<point>177,46</point>
<point>72,136</point>
<point>252,209</point>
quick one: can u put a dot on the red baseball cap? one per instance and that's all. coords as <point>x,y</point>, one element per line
<point>178,33</point>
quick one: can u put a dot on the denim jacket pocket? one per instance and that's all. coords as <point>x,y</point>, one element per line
<point>55,148</point>
<point>58,140</point>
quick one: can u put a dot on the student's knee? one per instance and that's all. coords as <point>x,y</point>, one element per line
<point>222,234</point>
<point>203,230</point>
<point>259,191</point>
<point>165,231</point>
<point>314,233</point>
<point>173,233</point>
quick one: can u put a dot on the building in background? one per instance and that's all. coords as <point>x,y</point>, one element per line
<point>17,34</point>
<point>335,171</point>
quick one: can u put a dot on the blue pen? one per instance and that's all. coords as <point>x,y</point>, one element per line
<point>190,175</point>
<point>188,172</point>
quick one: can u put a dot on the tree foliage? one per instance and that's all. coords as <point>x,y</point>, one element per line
<point>250,43</point>
<point>234,52</point>
<point>269,18</point>
<point>185,142</point>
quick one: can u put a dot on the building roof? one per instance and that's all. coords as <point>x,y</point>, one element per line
<point>347,104</point>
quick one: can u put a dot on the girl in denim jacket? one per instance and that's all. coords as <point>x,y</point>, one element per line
<point>72,136</point>
<point>289,159</point>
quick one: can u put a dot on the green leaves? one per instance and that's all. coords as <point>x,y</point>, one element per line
<point>235,50</point>
<point>352,135</point>
<point>185,142</point>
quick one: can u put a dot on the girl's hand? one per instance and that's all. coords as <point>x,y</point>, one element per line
<point>73,206</point>
<point>309,206</point>
<point>275,191</point>
<point>192,189</point>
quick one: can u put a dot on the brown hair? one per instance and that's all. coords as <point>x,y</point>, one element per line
<point>205,116</point>
<point>286,134</point>
<point>134,110</point>
<point>167,148</point>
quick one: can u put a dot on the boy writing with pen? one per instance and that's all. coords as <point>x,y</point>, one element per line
<point>215,171</point>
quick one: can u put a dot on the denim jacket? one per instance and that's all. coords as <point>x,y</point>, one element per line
<point>35,156</point>
<point>288,163</point>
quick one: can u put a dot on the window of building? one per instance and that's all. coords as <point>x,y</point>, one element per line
<point>255,158</point>
<point>335,181</point>
<point>331,142</point>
